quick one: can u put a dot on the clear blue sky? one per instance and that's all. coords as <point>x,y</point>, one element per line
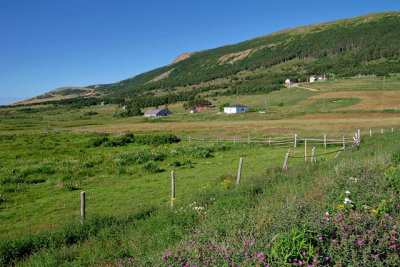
<point>46,44</point>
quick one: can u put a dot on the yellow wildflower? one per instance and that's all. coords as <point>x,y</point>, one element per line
<point>174,198</point>
<point>374,211</point>
<point>341,206</point>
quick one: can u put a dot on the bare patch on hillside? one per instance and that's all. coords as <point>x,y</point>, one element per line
<point>162,76</point>
<point>232,57</point>
<point>59,94</point>
<point>181,57</point>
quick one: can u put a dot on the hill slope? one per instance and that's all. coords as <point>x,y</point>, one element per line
<point>368,44</point>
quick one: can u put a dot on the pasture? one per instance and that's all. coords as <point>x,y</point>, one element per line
<point>50,154</point>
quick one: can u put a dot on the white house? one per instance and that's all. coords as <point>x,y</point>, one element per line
<point>157,112</point>
<point>312,79</point>
<point>235,109</point>
<point>288,81</point>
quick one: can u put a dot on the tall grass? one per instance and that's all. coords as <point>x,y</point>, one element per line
<point>299,216</point>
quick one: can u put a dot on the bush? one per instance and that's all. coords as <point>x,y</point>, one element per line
<point>151,167</point>
<point>99,140</point>
<point>156,139</point>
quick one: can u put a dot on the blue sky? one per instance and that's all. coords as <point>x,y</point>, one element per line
<point>46,44</point>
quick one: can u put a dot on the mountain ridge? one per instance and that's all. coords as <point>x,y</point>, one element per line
<point>342,47</point>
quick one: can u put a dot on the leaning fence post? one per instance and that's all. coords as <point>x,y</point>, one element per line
<point>286,163</point>
<point>83,206</point>
<point>338,153</point>
<point>313,158</point>
<point>305,150</point>
<point>325,141</point>
<point>295,140</point>
<point>172,188</point>
<point>239,171</point>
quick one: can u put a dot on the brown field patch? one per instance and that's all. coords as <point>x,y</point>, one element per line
<point>234,56</point>
<point>370,100</point>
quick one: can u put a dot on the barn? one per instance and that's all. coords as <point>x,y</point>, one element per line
<point>235,109</point>
<point>157,112</point>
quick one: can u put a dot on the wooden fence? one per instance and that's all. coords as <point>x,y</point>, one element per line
<point>276,141</point>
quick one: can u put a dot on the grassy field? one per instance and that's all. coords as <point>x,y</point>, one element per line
<point>346,105</point>
<point>50,154</point>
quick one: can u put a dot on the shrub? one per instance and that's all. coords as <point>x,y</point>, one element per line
<point>99,140</point>
<point>151,167</point>
<point>156,139</point>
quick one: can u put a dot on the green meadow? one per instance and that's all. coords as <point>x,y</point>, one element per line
<point>49,154</point>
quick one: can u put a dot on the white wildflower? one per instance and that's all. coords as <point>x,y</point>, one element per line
<point>346,200</point>
<point>347,192</point>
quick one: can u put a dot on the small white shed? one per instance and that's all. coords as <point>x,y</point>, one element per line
<point>235,109</point>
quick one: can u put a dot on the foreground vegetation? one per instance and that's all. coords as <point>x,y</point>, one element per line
<point>338,211</point>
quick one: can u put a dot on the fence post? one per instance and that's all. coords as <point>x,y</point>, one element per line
<point>217,140</point>
<point>269,141</point>
<point>295,140</point>
<point>392,130</point>
<point>248,139</point>
<point>344,142</point>
<point>359,133</point>
<point>338,153</point>
<point>239,171</point>
<point>172,188</point>
<point>234,140</point>
<point>189,138</point>
<point>370,133</point>
<point>83,206</point>
<point>325,141</point>
<point>305,150</point>
<point>313,158</point>
<point>286,163</point>
<point>381,131</point>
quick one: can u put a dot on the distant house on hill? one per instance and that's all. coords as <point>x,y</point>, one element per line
<point>104,103</point>
<point>319,78</point>
<point>235,109</point>
<point>158,112</point>
<point>288,81</point>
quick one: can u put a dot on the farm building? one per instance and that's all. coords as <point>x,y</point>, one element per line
<point>158,112</point>
<point>193,111</point>
<point>104,103</point>
<point>235,109</point>
<point>288,81</point>
<point>319,78</point>
<point>204,108</point>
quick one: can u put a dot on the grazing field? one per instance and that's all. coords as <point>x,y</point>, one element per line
<point>370,100</point>
<point>51,153</point>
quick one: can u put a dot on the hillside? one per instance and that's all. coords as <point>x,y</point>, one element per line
<point>368,44</point>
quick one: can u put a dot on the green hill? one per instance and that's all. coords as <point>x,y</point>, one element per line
<point>368,44</point>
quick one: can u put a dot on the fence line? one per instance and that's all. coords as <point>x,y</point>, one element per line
<point>273,141</point>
